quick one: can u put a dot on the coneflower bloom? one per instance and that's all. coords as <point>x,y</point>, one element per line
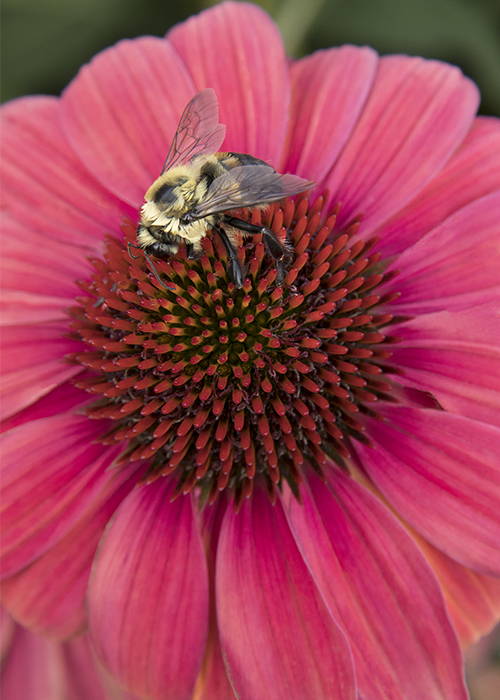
<point>270,492</point>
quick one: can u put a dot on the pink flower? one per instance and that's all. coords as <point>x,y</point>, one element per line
<point>330,518</point>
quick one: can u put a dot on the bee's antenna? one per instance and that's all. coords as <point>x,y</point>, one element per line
<point>150,263</point>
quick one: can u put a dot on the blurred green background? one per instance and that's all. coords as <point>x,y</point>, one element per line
<point>45,41</point>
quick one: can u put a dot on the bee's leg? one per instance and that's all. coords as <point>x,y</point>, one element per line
<point>192,253</point>
<point>272,244</point>
<point>150,262</point>
<point>234,265</point>
<point>133,245</point>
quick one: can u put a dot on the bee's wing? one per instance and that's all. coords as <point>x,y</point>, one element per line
<point>199,132</point>
<point>248,185</point>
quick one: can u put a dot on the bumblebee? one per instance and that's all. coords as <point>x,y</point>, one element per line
<point>198,185</point>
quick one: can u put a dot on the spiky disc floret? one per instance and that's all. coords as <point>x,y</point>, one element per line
<point>219,384</point>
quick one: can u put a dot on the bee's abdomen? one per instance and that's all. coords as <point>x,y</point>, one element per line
<point>233,160</point>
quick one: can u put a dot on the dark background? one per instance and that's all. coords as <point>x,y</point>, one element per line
<point>45,41</point>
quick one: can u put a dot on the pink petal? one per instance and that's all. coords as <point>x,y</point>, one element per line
<point>65,398</point>
<point>52,471</point>
<point>275,629</point>
<point>416,116</point>
<point>33,362</point>
<point>461,370</point>
<point>36,264</point>
<point>212,681</point>
<point>471,173</point>
<point>249,74</point>
<point>85,679</point>
<point>22,307</point>
<point>7,629</point>
<point>329,90</point>
<point>33,669</point>
<point>44,184</point>
<point>455,266</point>
<point>148,597</point>
<point>442,474</point>
<point>45,341</point>
<point>49,596</point>
<point>381,590</point>
<point>38,669</point>
<point>121,111</point>
<point>473,599</point>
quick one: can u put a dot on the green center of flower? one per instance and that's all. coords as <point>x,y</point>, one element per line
<point>218,384</point>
